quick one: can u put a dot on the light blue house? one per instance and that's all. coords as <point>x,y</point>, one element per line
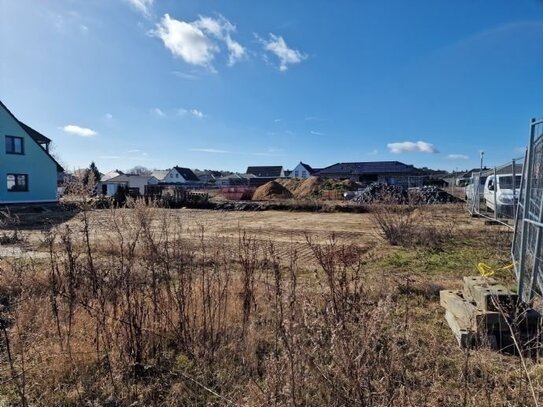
<point>28,173</point>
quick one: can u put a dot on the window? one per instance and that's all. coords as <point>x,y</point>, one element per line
<point>17,182</point>
<point>14,145</point>
<point>296,174</point>
<point>176,175</point>
<point>304,174</point>
<point>506,181</point>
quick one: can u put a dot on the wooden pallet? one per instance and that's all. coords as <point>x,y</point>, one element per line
<point>486,312</point>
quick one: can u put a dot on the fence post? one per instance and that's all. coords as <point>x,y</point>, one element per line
<point>514,172</point>
<point>495,194</point>
<point>527,197</point>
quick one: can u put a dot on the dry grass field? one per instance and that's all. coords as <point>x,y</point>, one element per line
<point>147,306</point>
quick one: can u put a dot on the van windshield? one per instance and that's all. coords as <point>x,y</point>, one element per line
<point>506,181</point>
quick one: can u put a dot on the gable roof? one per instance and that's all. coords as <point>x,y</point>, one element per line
<point>160,174</point>
<point>37,137</point>
<point>307,167</point>
<point>370,167</point>
<point>266,171</point>
<point>186,173</point>
<point>111,174</point>
<point>128,177</point>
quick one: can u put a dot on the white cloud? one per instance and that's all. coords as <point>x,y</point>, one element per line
<point>411,147</point>
<point>316,133</point>
<point>196,42</point>
<point>184,75</point>
<point>108,116</point>
<point>197,113</point>
<point>374,152</point>
<point>278,46</point>
<point>210,150</point>
<point>457,157</point>
<point>158,112</point>
<point>142,6</point>
<point>79,131</point>
<point>134,151</point>
<point>194,112</point>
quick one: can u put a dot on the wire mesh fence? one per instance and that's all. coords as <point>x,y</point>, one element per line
<point>526,248</point>
<point>493,193</point>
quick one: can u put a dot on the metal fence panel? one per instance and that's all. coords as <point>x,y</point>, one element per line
<point>493,193</point>
<point>527,239</point>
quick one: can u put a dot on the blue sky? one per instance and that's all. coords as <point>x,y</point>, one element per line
<point>227,84</point>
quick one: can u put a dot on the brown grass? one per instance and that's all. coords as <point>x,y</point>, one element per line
<point>137,308</point>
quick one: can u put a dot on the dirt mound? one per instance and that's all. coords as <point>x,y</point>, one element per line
<point>270,191</point>
<point>291,184</point>
<point>309,188</point>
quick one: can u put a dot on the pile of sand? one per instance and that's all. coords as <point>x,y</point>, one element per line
<point>271,191</point>
<point>292,184</point>
<point>309,188</point>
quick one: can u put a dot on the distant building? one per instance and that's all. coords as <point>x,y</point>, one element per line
<point>233,180</point>
<point>175,175</point>
<point>302,170</point>
<point>267,171</point>
<point>389,172</point>
<point>130,181</point>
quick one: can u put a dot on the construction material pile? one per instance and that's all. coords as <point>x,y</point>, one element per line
<point>309,188</point>
<point>428,195</point>
<point>271,191</point>
<point>381,193</point>
<point>395,194</point>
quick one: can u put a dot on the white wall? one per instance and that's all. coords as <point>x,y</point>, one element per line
<point>174,177</point>
<point>299,172</point>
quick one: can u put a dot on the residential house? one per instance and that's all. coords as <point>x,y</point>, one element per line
<point>176,175</point>
<point>234,180</point>
<point>26,165</point>
<point>130,181</point>
<point>102,186</point>
<point>302,170</point>
<point>208,176</point>
<point>388,172</point>
<point>267,171</point>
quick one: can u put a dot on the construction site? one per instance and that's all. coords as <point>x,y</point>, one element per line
<point>414,298</point>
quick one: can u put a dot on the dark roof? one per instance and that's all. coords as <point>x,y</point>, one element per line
<point>266,171</point>
<point>371,167</point>
<point>34,135</point>
<point>186,173</point>
<point>508,169</point>
<point>309,169</point>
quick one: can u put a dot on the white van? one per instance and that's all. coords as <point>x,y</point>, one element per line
<point>499,195</point>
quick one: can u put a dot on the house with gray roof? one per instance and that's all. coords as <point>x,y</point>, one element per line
<point>389,172</point>
<point>273,171</point>
<point>176,175</point>
<point>302,170</point>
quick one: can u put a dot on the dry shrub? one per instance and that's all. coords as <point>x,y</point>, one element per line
<point>412,226</point>
<point>127,312</point>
